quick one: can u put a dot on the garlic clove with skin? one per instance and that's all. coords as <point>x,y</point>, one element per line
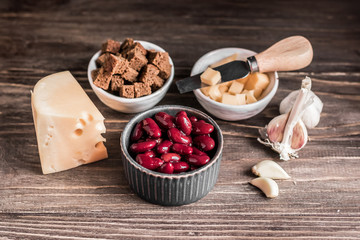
<point>311,116</point>
<point>286,134</point>
<point>276,127</point>
<point>299,136</point>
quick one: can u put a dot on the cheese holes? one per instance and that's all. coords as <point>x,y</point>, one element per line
<point>78,132</point>
<point>82,121</point>
<point>48,138</point>
<point>81,161</point>
<point>90,117</point>
<point>53,168</point>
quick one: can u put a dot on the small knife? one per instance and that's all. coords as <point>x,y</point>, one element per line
<point>289,54</point>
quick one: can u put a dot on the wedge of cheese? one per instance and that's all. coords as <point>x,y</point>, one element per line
<point>68,125</point>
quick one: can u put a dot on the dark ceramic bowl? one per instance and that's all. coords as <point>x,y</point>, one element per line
<point>171,189</point>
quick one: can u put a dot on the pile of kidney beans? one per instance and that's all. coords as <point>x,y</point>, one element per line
<point>171,144</point>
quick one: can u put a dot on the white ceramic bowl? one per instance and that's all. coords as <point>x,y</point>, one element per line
<point>131,105</point>
<point>226,111</point>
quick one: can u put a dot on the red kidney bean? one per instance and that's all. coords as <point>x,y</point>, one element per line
<point>167,168</point>
<point>191,141</point>
<point>201,127</point>
<point>198,152</point>
<point>193,119</point>
<point>176,136</point>
<point>138,132</point>
<point>158,162</point>
<point>198,160</point>
<point>180,166</point>
<point>182,149</point>
<point>175,145</point>
<point>204,142</point>
<point>143,146</point>
<point>157,140</point>
<point>150,153</point>
<point>183,122</point>
<point>167,157</point>
<point>165,120</point>
<point>164,147</point>
<point>192,168</point>
<point>151,128</point>
<point>149,162</point>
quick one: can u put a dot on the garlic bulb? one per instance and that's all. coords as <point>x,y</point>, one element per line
<point>287,133</point>
<point>311,116</point>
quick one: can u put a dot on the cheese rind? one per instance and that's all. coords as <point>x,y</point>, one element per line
<point>68,125</point>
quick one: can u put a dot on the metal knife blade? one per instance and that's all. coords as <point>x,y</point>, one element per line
<point>229,71</point>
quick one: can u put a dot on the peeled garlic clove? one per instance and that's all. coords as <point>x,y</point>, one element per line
<point>269,169</point>
<point>267,185</point>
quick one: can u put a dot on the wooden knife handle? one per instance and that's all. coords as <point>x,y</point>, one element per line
<point>289,54</point>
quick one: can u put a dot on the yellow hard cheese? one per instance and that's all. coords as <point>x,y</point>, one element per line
<point>243,80</point>
<point>257,80</point>
<point>210,77</point>
<point>236,87</point>
<point>250,98</point>
<point>238,99</point>
<point>223,87</point>
<point>68,125</point>
<point>225,60</point>
<point>215,93</point>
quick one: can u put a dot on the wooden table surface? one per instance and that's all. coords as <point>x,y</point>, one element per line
<point>322,200</point>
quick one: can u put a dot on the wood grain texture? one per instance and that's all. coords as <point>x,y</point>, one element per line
<point>321,201</point>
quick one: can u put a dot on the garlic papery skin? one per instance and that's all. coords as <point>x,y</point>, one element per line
<point>311,116</point>
<point>287,134</point>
